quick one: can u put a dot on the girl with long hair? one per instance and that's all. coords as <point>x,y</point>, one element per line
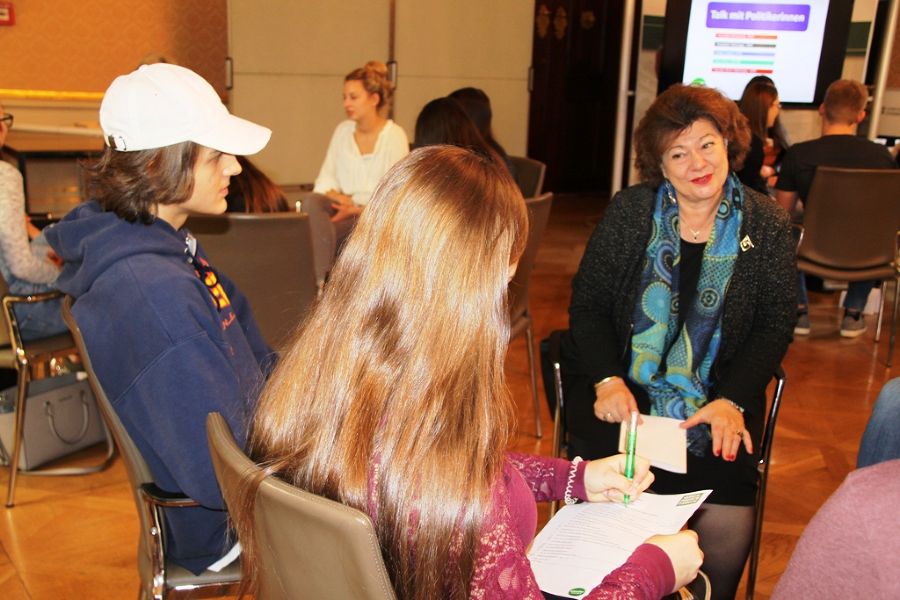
<point>408,418</point>
<point>252,191</point>
<point>477,105</point>
<point>444,121</point>
<point>759,103</point>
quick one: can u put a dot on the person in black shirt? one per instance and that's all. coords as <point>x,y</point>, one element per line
<point>759,103</point>
<point>839,146</point>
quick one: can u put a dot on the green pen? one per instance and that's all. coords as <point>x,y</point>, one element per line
<point>630,446</point>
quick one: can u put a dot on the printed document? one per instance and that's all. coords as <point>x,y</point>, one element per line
<point>661,441</point>
<point>583,543</point>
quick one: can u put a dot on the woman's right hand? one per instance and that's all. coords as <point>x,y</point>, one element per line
<point>684,553</point>
<point>614,401</point>
<point>343,206</point>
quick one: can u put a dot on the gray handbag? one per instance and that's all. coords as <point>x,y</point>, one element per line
<point>61,417</point>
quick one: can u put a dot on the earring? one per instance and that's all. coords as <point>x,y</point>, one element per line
<point>670,191</point>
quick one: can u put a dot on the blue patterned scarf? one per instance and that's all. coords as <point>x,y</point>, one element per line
<point>674,365</point>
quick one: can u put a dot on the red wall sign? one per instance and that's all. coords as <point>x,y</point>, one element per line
<point>7,15</point>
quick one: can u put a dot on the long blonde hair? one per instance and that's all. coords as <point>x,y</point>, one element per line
<point>392,399</point>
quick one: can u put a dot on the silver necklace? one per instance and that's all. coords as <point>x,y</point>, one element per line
<point>695,233</point>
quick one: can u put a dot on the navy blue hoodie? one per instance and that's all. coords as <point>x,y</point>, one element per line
<point>168,348</point>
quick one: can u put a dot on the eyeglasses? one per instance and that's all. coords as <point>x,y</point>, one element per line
<point>8,119</point>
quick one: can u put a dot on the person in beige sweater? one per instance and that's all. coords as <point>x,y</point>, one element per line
<point>27,266</point>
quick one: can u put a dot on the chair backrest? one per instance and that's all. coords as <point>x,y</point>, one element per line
<point>538,214</point>
<point>270,258</point>
<point>137,469</point>
<point>851,218</point>
<point>529,174</point>
<point>309,546</point>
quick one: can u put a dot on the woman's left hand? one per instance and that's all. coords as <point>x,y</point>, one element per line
<point>33,231</point>
<point>727,426</point>
<point>54,258</point>
<point>605,481</point>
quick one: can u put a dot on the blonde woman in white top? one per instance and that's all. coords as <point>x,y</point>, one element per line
<point>361,151</point>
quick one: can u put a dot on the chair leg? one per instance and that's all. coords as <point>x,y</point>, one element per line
<point>881,294</point>
<point>529,338</point>
<point>21,396</point>
<point>557,426</point>
<point>557,414</point>
<point>890,357</point>
<point>757,532</point>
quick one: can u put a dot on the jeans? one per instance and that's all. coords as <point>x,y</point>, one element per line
<point>857,293</point>
<point>881,440</point>
<point>38,320</point>
<point>328,237</point>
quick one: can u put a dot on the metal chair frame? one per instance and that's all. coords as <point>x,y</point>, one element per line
<point>160,579</point>
<point>762,466</point>
<point>520,316</point>
<point>36,360</point>
<point>861,248</point>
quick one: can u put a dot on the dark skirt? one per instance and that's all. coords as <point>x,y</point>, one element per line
<point>733,483</point>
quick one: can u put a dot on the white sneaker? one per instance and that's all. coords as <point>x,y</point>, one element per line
<point>852,327</point>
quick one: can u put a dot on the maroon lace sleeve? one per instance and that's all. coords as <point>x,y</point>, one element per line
<point>547,477</point>
<point>502,570</point>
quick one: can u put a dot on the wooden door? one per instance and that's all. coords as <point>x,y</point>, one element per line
<point>572,112</point>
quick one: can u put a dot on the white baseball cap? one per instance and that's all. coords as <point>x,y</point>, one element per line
<point>163,104</point>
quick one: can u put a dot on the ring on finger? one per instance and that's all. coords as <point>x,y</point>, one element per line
<point>608,416</point>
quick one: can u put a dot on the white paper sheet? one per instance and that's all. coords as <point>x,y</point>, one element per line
<point>661,441</point>
<point>583,543</point>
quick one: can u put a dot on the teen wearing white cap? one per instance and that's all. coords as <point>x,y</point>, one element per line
<point>171,339</point>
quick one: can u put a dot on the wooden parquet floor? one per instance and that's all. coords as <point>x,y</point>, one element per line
<point>76,537</point>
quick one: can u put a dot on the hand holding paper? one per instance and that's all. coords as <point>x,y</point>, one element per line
<point>583,543</point>
<point>684,553</point>
<point>663,443</point>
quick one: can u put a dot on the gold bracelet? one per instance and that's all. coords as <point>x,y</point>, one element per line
<point>605,380</point>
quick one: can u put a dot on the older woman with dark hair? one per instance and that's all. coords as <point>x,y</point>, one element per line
<point>683,307</point>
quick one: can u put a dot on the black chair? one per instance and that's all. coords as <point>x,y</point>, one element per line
<point>551,369</point>
<point>762,466</point>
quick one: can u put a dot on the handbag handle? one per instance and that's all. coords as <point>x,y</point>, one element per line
<point>48,410</point>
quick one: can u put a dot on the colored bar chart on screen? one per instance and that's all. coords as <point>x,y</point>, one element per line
<point>731,42</point>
